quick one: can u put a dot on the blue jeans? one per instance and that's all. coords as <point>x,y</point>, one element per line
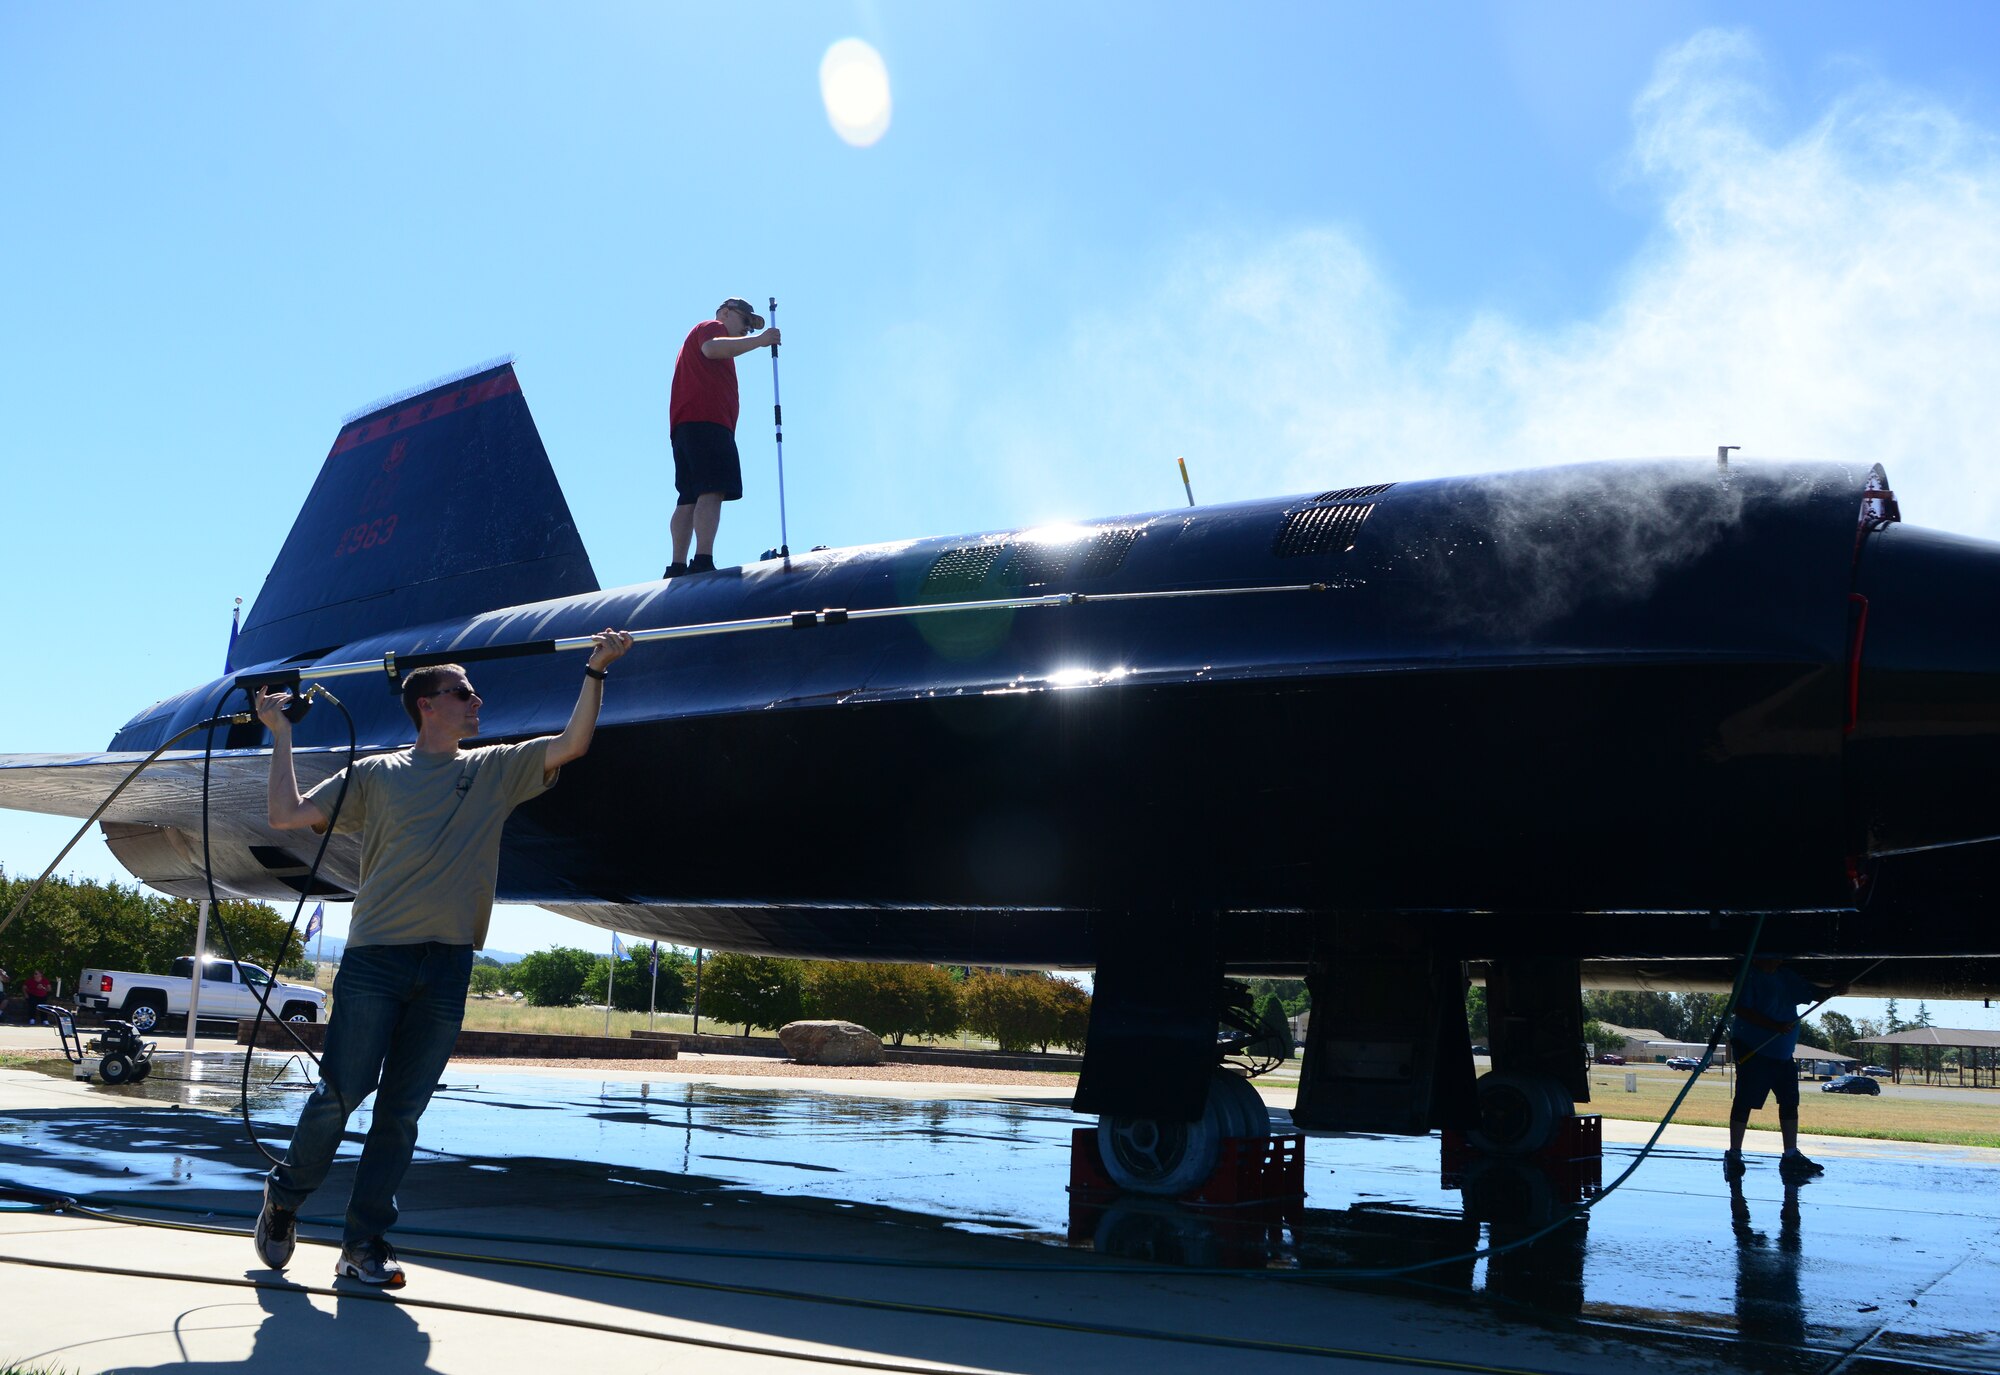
<point>396,1014</point>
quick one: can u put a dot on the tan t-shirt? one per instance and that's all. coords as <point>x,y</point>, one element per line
<point>430,837</point>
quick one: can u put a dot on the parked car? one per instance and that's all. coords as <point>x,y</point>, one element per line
<point>147,1000</point>
<point>1682,1062</point>
<point>1481,1050</point>
<point>1851,1083</point>
<point>1876,1072</point>
<point>1609,1059</point>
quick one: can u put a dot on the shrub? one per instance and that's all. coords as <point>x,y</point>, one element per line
<point>754,990</point>
<point>891,1000</point>
<point>555,977</point>
<point>1024,1010</point>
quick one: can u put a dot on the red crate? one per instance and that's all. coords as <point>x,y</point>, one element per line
<point>1250,1170</point>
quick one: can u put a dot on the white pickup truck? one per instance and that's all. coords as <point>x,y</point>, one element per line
<point>146,1000</point>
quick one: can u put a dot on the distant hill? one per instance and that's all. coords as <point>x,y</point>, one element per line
<point>336,947</point>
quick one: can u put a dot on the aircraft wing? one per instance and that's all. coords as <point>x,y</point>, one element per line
<point>166,794</point>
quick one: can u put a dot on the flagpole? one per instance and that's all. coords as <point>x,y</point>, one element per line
<point>653,999</point>
<point>611,984</point>
<point>194,984</point>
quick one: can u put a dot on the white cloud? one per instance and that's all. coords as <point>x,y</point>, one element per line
<point>1834,293</point>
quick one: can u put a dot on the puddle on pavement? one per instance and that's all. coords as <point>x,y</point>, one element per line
<point>1774,1269</point>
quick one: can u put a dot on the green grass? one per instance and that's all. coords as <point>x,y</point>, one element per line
<point>504,1014</point>
<point>1971,1121</point>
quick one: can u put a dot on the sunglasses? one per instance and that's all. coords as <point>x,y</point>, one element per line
<point>463,694</point>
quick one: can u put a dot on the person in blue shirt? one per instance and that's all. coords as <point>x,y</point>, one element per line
<point>1762,1037</point>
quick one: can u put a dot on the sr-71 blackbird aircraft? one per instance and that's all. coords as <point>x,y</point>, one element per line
<point>1529,728</point>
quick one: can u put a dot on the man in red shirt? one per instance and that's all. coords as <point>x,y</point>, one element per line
<point>702,424</point>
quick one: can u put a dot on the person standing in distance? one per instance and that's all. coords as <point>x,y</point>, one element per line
<point>1763,1035</point>
<point>430,819</point>
<point>701,417</point>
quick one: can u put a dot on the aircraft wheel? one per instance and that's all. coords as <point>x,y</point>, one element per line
<point>1243,1107</point>
<point>115,1069</point>
<point>1144,1155</point>
<point>1518,1113</point>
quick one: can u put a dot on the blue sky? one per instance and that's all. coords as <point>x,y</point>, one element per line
<point>1304,245</point>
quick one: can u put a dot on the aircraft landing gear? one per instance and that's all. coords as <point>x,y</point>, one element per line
<point>1519,1113</point>
<point>1146,1155</point>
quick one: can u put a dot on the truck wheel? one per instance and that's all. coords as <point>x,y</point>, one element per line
<point>115,1069</point>
<point>145,1010</point>
<point>300,1012</point>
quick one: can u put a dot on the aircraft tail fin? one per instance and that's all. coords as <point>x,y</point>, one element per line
<point>437,505</point>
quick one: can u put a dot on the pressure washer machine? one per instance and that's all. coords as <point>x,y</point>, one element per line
<point>115,1054</point>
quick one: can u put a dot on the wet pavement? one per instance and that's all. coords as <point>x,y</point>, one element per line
<point>1889,1262</point>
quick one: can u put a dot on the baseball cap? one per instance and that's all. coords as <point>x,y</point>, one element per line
<point>737,302</point>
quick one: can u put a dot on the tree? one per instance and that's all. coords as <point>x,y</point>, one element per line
<point>1660,1011</point>
<point>1025,1009</point>
<point>1071,1027</point>
<point>555,977</point>
<point>1923,1015</point>
<point>1698,1014</point>
<point>755,990</point>
<point>76,924</point>
<point>487,979</point>
<point>632,990</point>
<point>1839,1032</point>
<point>1475,1012</point>
<point>1599,1037</point>
<point>1891,1019</point>
<point>1276,1028</point>
<point>891,1000</point>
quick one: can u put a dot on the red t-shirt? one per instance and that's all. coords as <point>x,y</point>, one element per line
<point>704,388</point>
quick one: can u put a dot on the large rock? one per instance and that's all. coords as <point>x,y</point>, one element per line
<point>830,1043</point>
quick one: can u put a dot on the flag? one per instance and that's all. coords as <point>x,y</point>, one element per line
<point>617,947</point>
<point>656,959</point>
<point>314,921</point>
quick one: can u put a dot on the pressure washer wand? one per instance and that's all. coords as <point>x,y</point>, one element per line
<point>778,420</point>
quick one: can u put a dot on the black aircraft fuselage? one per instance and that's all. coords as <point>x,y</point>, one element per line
<point>1602,711</point>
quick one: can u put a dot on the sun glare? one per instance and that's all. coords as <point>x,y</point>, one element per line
<point>854,83</point>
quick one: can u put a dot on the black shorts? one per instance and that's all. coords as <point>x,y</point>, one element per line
<point>705,461</point>
<point>1762,1075</point>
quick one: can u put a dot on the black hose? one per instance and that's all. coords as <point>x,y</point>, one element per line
<point>305,891</point>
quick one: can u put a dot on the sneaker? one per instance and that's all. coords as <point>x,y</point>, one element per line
<point>702,563</point>
<point>674,570</point>
<point>1796,1166</point>
<point>1732,1164</point>
<point>372,1262</point>
<point>277,1233</point>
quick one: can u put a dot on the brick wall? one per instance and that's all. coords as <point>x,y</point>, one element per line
<point>517,1045</point>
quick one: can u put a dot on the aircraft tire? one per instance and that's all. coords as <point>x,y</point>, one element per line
<point>1518,1113</point>
<point>1243,1106</point>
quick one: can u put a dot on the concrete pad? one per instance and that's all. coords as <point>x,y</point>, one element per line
<point>668,1211</point>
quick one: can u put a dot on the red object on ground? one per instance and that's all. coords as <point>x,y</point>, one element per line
<point>1251,1170</point>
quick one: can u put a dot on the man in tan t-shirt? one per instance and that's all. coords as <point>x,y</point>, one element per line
<point>430,819</point>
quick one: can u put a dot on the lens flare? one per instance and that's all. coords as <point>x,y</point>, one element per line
<point>854,83</point>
